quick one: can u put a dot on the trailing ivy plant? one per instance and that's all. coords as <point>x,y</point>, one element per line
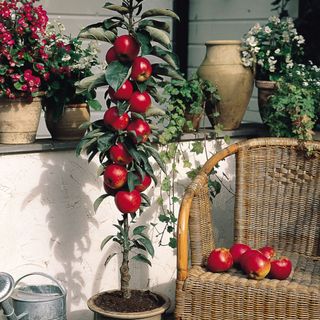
<point>122,140</point>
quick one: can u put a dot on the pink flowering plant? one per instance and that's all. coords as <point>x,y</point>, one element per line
<point>22,48</point>
<point>273,48</point>
<point>70,60</point>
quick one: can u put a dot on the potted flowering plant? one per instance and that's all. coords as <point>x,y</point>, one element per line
<point>294,107</point>
<point>123,139</point>
<point>271,50</point>
<point>22,68</point>
<point>69,62</point>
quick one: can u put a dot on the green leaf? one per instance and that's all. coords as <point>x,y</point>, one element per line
<point>160,12</point>
<point>142,258</point>
<point>168,56</point>
<point>144,39</point>
<point>109,258</point>
<point>116,74</point>
<point>197,147</point>
<point>155,154</point>
<point>112,23</point>
<point>94,104</point>
<point>133,180</point>
<point>166,70</point>
<point>98,201</point>
<point>138,230</point>
<point>147,244</point>
<point>97,33</point>
<point>155,24</point>
<point>91,82</point>
<point>159,36</point>
<point>113,7</point>
<point>105,241</point>
<point>106,141</point>
<point>173,243</point>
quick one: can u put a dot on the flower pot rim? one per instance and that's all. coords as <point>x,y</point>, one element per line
<point>265,84</point>
<point>225,42</point>
<point>127,315</point>
<point>76,105</point>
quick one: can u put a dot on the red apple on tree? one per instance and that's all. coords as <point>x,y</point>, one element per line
<point>108,190</point>
<point>219,260</point>
<point>255,264</point>
<point>141,129</point>
<point>123,93</point>
<point>111,55</point>
<point>128,202</point>
<point>119,154</point>
<point>126,47</point>
<point>115,176</point>
<point>112,118</point>
<point>140,102</point>
<point>145,183</point>
<point>280,268</point>
<point>141,69</point>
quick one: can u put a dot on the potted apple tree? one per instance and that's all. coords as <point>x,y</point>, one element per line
<point>123,140</point>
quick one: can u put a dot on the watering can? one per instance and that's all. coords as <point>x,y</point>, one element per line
<point>32,302</point>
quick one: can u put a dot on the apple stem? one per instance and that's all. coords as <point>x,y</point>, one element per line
<point>124,269</point>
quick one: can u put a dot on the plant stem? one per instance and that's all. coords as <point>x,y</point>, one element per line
<point>124,269</point>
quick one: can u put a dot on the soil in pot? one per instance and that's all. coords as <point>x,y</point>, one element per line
<point>140,301</point>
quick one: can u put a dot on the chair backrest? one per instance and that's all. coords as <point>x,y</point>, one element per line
<point>278,195</point>
<point>277,198</point>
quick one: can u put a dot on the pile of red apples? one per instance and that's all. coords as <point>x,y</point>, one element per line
<point>255,263</point>
<point>126,50</point>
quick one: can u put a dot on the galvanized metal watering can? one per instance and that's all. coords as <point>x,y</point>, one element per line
<point>32,302</point>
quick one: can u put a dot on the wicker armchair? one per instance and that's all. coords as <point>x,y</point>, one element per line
<point>277,203</point>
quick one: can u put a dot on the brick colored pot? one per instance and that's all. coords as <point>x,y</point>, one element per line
<point>67,127</point>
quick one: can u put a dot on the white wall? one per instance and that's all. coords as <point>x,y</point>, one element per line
<point>48,225</point>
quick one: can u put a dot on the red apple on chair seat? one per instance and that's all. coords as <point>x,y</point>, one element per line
<point>268,252</point>
<point>123,93</point>
<point>145,183</point>
<point>111,55</point>
<point>142,130</point>
<point>237,250</point>
<point>128,202</point>
<point>112,118</point>
<point>280,268</point>
<point>141,69</point>
<point>140,102</point>
<point>219,260</point>
<point>255,264</point>
<point>126,47</point>
<point>119,154</point>
<point>115,176</point>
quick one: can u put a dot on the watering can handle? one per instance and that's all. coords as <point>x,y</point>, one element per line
<point>63,290</point>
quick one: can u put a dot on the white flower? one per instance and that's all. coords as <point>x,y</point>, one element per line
<point>268,53</point>
<point>286,36</point>
<point>274,19</point>
<point>256,49</point>
<point>66,57</point>
<point>277,51</point>
<point>305,84</point>
<point>267,30</point>
<point>252,41</point>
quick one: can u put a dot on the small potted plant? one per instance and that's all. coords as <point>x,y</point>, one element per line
<point>123,140</point>
<point>69,62</point>
<point>22,69</point>
<point>185,102</point>
<point>293,109</point>
<point>271,50</point>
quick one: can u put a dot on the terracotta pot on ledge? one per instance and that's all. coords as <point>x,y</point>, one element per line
<point>67,127</point>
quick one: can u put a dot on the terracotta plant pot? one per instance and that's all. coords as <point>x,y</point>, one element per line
<point>102,314</point>
<point>265,90</point>
<point>67,127</point>
<point>222,66</point>
<point>19,120</point>
<point>195,119</point>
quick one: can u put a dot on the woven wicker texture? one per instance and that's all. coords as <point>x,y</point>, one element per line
<point>277,203</point>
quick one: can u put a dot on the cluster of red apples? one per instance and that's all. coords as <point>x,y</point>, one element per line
<point>130,123</point>
<point>256,264</point>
